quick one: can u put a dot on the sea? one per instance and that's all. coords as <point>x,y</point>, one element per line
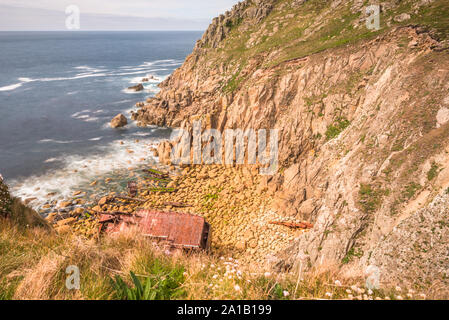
<point>58,93</point>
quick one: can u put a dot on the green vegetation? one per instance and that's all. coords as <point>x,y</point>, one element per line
<point>335,129</point>
<point>433,172</point>
<point>33,264</point>
<point>5,200</point>
<point>371,198</point>
<point>294,32</point>
<point>350,255</point>
<point>410,191</point>
<point>160,285</point>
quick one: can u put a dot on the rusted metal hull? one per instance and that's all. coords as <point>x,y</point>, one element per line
<point>178,229</point>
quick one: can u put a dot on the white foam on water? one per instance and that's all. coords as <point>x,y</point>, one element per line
<point>56,141</point>
<point>90,119</point>
<point>78,171</point>
<point>25,79</point>
<point>11,87</point>
<point>51,160</point>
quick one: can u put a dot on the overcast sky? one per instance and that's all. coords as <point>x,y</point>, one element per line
<point>112,14</point>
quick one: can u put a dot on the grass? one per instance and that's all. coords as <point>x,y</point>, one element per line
<point>433,172</point>
<point>33,264</point>
<point>309,29</point>
<point>350,256</point>
<point>371,198</point>
<point>335,129</point>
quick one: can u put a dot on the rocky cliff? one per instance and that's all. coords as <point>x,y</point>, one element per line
<point>363,117</point>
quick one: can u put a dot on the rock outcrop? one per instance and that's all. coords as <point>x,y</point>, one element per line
<point>119,121</point>
<point>362,117</point>
<point>138,87</point>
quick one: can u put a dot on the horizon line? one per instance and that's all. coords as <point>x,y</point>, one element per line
<point>93,30</point>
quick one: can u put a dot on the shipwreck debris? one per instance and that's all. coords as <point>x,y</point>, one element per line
<point>293,225</point>
<point>180,230</point>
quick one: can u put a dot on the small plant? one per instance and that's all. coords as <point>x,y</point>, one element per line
<point>370,198</point>
<point>156,287</point>
<point>410,190</point>
<point>433,172</point>
<point>335,129</point>
<point>210,196</point>
<point>350,255</point>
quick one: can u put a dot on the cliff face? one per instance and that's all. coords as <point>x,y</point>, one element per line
<point>363,119</point>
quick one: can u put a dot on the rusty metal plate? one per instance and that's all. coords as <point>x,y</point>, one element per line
<point>180,229</point>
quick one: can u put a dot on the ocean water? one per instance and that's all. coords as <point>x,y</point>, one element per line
<point>58,93</point>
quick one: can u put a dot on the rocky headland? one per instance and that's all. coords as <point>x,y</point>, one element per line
<point>363,120</point>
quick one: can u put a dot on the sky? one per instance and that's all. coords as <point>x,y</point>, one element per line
<point>43,15</point>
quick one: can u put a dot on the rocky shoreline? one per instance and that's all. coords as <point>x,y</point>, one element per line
<point>236,201</point>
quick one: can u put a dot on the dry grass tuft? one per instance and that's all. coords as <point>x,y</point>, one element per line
<point>38,280</point>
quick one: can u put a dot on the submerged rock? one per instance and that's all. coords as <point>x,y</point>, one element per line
<point>138,87</point>
<point>119,121</point>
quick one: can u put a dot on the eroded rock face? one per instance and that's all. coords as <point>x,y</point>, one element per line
<point>119,121</point>
<point>358,147</point>
<point>423,251</point>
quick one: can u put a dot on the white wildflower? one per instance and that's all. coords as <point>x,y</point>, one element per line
<point>267,274</point>
<point>328,294</point>
<point>338,283</point>
<point>286,293</point>
<point>237,287</point>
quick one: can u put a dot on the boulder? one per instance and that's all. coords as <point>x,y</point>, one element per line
<point>119,121</point>
<point>65,222</point>
<point>65,204</point>
<point>402,17</point>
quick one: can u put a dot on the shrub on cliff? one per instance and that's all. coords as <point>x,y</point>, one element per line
<point>5,199</point>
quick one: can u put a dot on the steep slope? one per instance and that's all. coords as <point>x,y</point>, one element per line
<point>363,119</point>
